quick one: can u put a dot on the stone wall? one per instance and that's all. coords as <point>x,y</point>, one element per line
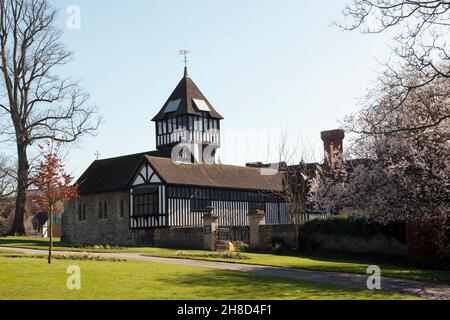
<point>113,230</point>
<point>285,233</point>
<point>178,238</point>
<point>378,245</point>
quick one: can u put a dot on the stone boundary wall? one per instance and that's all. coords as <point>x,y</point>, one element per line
<point>178,238</point>
<point>285,233</point>
<point>378,245</point>
<point>240,233</point>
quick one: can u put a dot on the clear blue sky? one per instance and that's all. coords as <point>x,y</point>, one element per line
<point>264,64</point>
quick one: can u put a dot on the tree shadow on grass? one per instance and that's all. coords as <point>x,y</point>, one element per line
<point>25,242</point>
<point>224,285</point>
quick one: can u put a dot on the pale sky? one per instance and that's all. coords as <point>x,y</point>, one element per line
<point>272,66</point>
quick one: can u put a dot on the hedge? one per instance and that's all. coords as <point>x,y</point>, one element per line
<point>429,241</point>
<point>427,238</point>
<point>354,226</point>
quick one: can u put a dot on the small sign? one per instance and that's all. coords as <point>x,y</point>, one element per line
<point>207,229</point>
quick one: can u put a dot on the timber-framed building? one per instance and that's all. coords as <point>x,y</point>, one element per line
<point>130,199</point>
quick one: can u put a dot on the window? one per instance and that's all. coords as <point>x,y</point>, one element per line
<point>159,127</point>
<point>196,124</point>
<point>170,129</point>
<point>145,204</point>
<point>199,200</point>
<point>201,105</point>
<point>100,210</point>
<point>174,123</point>
<point>200,204</point>
<point>200,124</point>
<point>105,210</point>
<point>172,106</point>
<point>122,208</point>
<point>191,123</point>
<point>82,212</point>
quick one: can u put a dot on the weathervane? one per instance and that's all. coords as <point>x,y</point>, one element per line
<point>185,53</point>
<point>97,154</point>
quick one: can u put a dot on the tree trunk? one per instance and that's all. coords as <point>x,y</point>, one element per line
<point>22,188</point>
<point>50,233</point>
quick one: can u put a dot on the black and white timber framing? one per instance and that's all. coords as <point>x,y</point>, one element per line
<point>184,206</point>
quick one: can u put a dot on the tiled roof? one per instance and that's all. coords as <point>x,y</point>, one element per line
<point>108,175</point>
<point>214,175</point>
<point>115,174</point>
<point>186,91</point>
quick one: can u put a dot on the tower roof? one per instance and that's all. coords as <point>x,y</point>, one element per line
<point>187,99</point>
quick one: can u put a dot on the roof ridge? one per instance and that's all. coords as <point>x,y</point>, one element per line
<point>123,156</point>
<point>206,164</point>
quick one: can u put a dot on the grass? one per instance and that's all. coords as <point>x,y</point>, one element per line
<point>28,278</point>
<point>316,264</point>
<point>300,262</point>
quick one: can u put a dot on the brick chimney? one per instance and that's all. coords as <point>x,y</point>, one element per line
<point>332,144</point>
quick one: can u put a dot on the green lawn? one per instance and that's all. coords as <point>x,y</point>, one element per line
<point>25,278</point>
<point>301,262</point>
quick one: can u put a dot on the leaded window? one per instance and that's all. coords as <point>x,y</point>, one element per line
<point>145,203</point>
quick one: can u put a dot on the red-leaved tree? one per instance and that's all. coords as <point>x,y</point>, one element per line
<point>55,185</point>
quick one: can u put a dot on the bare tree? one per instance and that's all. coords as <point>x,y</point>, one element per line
<point>7,190</point>
<point>296,178</point>
<point>40,104</point>
<point>7,179</point>
<point>422,50</point>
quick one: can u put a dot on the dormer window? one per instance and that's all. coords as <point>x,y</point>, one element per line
<point>172,106</point>
<point>201,105</point>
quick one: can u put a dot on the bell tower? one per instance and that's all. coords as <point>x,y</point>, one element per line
<point>188,126</point>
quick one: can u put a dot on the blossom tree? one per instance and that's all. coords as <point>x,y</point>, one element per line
<point>54,184</point>
<point>403,165</point>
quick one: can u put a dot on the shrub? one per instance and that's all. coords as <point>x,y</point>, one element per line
<point>101,247</point>
<point>354,226</point>
<point>75,257</point>
<point>277,245</point>
<point>240,246</point>
<point>428,241</point>
<point>220,255</point>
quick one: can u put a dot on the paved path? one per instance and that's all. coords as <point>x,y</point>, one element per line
<point>420,289</point>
